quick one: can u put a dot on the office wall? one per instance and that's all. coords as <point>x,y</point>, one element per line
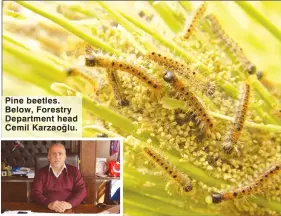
<point>103,149</point>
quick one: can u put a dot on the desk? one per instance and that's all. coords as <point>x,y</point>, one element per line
<point>16,189</point>
<point>34,207</point>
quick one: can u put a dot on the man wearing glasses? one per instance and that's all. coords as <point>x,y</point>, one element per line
<point>58,185</point>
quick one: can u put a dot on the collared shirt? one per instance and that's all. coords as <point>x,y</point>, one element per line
<point>69,186</point>
<point>57,175</point>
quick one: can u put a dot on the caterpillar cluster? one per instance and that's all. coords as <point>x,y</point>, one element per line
<point>116,86</point>
<point>197,108</point>
<point>239,120</point>
<point>158,160</point>
<point>232,46</point>
<point>200,12</point>
<point>250,189</point>
<point>92,60</point>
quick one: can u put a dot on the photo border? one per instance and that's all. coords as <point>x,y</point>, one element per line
<point>81,139</point>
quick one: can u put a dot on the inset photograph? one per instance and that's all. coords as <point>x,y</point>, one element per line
<point>61,176</point>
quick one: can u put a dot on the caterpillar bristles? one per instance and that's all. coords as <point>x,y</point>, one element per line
<point>200,12</point>
<point>239,120</point>
<point>114,81</point>
<point>196,107</point>
<point>77,71</point>
<point>172,64</point>
<point>178,67</point>
<point>71,72</point>
<point>183,182</point>
<point>96,60</point>
<point>231,45</point>
<point>253,188</point>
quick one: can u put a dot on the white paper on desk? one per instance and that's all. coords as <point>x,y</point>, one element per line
<point>19,173</point>
<point>15,212</point>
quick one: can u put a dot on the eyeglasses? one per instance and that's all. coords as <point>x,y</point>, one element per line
<point>54,154</point>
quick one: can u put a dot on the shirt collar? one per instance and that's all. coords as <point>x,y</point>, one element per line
<point>64,167</point>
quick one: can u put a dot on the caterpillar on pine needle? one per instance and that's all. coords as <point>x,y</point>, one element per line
<point>231,45</point>
<point>179,67</point>
<point>254,187</point>
<point>199,14</point>
<point>96,60</point>
<point>196,107</point>
<point>116,87</point>
<point>169,169</point>
<point>239,120</point>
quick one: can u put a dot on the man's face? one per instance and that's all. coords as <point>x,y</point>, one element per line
<point>57,156</point>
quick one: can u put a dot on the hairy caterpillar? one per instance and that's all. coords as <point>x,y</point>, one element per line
<point>195,20</point>
<point>239,120</point>
<point>202,117</point>
<point>115,84</point>
<point>178,67</point>
<point>116,64</point>
<point>81,73</point>
<point>272,86</point>
<point>167,167</point>
<point>76,72</point>
<point>263,78</point>
<point>233,47</point>
<point>246,190</point>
